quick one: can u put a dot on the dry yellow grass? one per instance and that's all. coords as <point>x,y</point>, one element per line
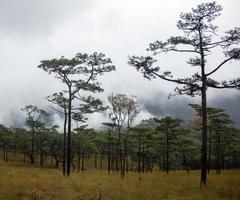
<point>18,181</point>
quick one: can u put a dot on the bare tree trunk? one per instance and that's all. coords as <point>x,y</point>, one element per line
<point>228,161</point>
<point>183,153</point>
<point>52,160</point>
<point>139,154</point>
<point>204,114</point>
<point>222,160</point>
<point>69,149</point>
<point>116,159</point>
<point>56,162</point>
<point>132,162</point>
<point>4,152</point>
<point>41,151</point>
<point>78,165</point>
<point>24,154</point>
<point>83,159</point>
<point>159,162</point>
<point>209,154</point>
<point>124,158</point>
<point>45,159</point>
<point>101,161</point>
<point>120,151</point>
<point>32,156</point>
<point>167,151</point>
<point>64,140</point>
<point>95,160</point>
<point>218,162</point>
<point>143,160</point>
<point>113,161</point>
<point>109,151</point>
<point>127,163</point>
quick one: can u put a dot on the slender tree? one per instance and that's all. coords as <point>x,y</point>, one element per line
<point>110,128</point>
<point>140,134</point>
<point>124,110</point>
<point>220,127</point>
<point>78,74</point>
<point>170,127</point>
<point>62,102</point>
<point>33,117</point>
<point>200,39</point>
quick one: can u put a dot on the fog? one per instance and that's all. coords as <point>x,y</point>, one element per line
<point>31,31</point>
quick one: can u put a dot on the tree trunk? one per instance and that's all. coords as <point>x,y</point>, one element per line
<point>116,159</point>
<point>41,151</point>
<point>167,151</point>
<point>119,151</point>
<point>83,159</point>
<point>218,162</point>
<point>32,156</point>
<point>78,165</point>
<point>95,160</point>
<point>124,158</point>
<point>132,162</point>
<point>4,152</point>
<point>139,154</point>
<point>127,163</point>
<point>64,140</point>
<point>24,154</point>
<point>101,161</point>
<point>204,114</point>
<point>109,150</point>
<point>56,162</point>
<point>143,159</point>
<point>222,160</point>
<point>183,153</point>
<point>209,154</point>
<point>113,160</point>
<point>69,149</point>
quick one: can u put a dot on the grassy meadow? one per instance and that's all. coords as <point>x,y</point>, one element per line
<point>25,182</point>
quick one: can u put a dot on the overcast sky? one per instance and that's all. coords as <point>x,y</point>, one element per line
<point>33,30</point>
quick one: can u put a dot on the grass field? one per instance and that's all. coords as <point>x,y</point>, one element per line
<point>18,181</point>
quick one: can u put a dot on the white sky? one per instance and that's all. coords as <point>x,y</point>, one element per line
<point>33,30</point>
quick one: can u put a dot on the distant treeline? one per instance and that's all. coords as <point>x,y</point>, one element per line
<point>155,144</point>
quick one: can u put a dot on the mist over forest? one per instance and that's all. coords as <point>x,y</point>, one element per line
<point>119,100</point>
<point>158,105</point>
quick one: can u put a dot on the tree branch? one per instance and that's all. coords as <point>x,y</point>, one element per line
<point>185,50</point>
<point>221,64</point>
<point>171,80</point>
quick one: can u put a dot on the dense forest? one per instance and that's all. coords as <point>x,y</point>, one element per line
<point>154,144</point>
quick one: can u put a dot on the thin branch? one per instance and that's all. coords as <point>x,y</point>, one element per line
<point>57,110</point>
<point>186,50</point>
<point>87,81</point>
<point>218,67</point>
<point>172,80</point>
<point>224,86</point>
<point>217,43</point>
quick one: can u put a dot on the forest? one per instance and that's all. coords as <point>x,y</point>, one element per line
<point>155,144</point>
<point>206,148</point>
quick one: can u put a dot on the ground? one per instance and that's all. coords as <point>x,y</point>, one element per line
<point>25,182</point>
